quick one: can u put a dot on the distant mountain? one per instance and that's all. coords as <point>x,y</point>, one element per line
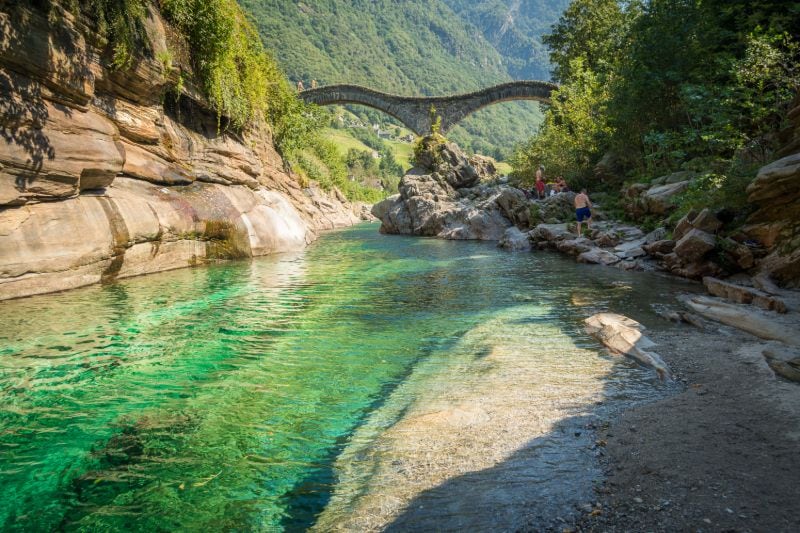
<point>417,47</point>
<point>514,28</point>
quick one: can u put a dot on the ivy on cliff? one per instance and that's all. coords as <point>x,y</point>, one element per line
<point>238,76</point>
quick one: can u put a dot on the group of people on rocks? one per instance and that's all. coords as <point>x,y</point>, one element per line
<point>583,205</point>
<point>301,87</point>
<point>541,189</point>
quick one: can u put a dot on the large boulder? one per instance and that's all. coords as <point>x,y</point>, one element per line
<point>609,169</point>
<point>660,200</point>
<point>550,233</point>
<point>515,240</point>
<point>659,249</point>
<point>557,208</point>
<point>776,223</point>
<point>429,206</point>
<point>484,166</point>
<point>705,221</point>
<point>575,247</point>
<point>658,197</point>
<point>514,205</point>
<point>445,158</point>
<point>694,245</point>
<point>393,214</point>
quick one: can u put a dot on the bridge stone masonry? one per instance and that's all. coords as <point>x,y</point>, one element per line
<point>414,112</point>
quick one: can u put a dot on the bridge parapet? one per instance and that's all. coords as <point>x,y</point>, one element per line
<point>414,111</point>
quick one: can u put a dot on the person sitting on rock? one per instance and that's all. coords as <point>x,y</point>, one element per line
<point>562,184</point>
<point>583,210</point>
<point>300,87</point>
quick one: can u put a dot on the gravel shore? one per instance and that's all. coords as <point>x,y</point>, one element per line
<point>721,455</point>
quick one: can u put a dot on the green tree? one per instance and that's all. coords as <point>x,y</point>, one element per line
<point>574,131</point>
<point>590,30</point>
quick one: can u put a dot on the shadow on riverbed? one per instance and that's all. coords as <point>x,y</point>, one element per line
<point>521,492</point>
<point>542,484</point>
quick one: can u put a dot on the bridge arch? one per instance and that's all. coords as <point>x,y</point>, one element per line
<point>414,113</point>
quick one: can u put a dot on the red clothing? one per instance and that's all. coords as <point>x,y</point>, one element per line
<point>540,186</point>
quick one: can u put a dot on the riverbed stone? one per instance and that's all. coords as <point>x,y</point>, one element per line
<point>630,249</point>
<point>659,249</point>
<point>743,295</point>
<point>575,247</point>
<point>598,256</point>
<point>605,239</point>
<point>546,233</point>
<point>763,324</point>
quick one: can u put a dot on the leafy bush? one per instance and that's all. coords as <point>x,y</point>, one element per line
<point>122,21</point>
<point>715,191</point>
<point>238,76</point>
<point>427,145</point>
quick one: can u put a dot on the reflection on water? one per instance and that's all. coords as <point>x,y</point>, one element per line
<point>236,396</point>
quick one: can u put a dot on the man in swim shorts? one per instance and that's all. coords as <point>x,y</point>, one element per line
<point>583,210</point>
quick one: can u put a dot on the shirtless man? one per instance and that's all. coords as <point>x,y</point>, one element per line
<point>582,210</point>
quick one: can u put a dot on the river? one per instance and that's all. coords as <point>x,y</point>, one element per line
<point>328,388</point>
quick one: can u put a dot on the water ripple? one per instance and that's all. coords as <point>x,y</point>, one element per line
<point>231,397</point>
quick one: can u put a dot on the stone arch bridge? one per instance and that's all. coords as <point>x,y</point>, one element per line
<point>414,112</point>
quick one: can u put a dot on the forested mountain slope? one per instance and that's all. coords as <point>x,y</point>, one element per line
<point>413,47</point>
<point>514,28</point>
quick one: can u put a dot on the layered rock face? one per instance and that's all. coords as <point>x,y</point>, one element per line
<point>109,173</point>
<point>442,197</point>
<point>776,223</point>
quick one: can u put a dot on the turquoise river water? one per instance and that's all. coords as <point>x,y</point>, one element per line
<point>229,397</point>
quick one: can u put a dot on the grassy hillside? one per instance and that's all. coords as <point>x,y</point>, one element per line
<point>413,47</point>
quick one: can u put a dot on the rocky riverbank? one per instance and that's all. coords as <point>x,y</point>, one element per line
<point>112,172</point>
<point>719,453</point>
<point>446,196</point>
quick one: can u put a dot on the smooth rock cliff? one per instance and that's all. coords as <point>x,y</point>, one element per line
<point>108,173</point>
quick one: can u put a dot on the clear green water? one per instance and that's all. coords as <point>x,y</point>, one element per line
<point>219,398</point>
